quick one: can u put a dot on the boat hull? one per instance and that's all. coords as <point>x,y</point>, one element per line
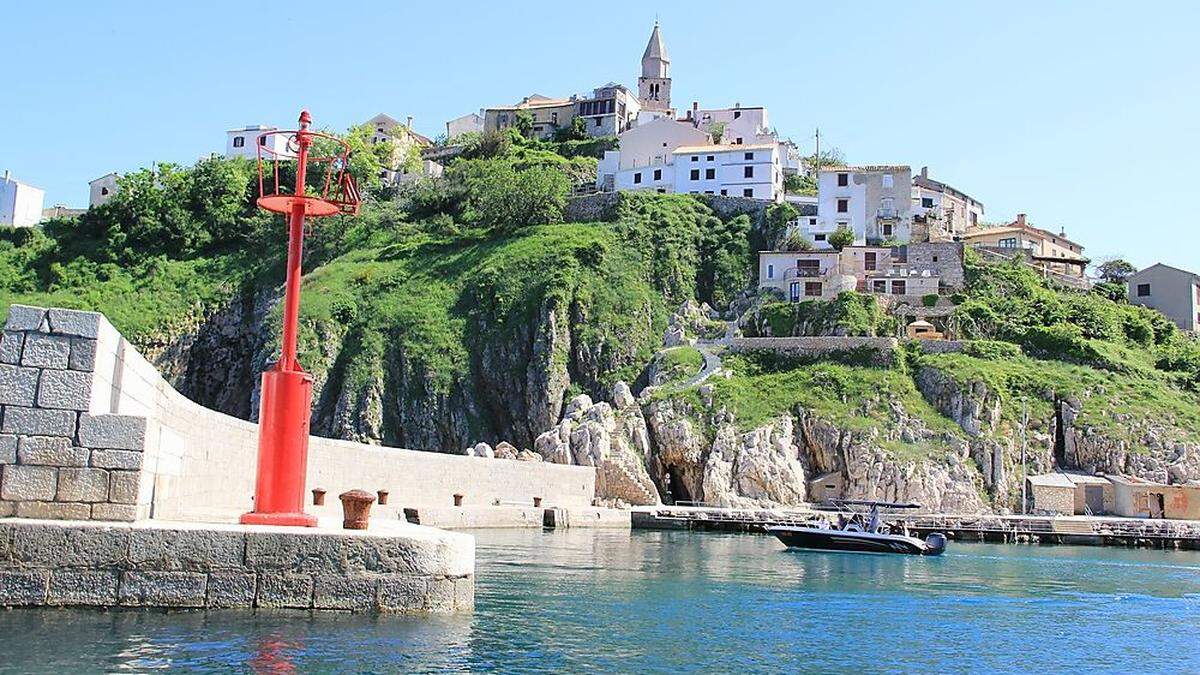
<point>853,542</point>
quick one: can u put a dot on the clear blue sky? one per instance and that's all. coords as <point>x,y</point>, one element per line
<point>1083,115</point>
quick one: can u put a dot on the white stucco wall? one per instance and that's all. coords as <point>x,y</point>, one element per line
<point>866,191</point>
<point>20,204</point>
<point>102,189</point>
<point>1171,291</point>
<point>201,463</point>
<point>249,142</point>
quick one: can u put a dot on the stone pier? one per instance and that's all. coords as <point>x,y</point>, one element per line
<point>393,567</point>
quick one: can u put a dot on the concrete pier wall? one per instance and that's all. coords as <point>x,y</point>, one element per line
<point>124,445</point>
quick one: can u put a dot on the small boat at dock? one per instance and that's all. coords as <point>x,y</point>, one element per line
<point>859,532</point>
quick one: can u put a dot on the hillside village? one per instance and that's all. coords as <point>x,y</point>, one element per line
<point>853,357</point>
<point>863,228</point>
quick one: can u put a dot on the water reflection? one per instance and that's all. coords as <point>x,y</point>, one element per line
<point>598,601</point>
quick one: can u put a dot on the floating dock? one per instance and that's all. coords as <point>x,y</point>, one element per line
<point>1015,529</point>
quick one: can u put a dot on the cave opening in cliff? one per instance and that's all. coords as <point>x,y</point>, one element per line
<point>675,488</point>
<point>1060,436</point>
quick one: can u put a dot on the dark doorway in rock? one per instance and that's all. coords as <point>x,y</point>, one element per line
<point>1060,437</point>
<point>676,489</point>
<point>1158,505</point>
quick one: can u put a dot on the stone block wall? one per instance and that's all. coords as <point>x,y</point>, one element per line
<point>148,564</point>
<point>882,350</point>
<point>62,455</point>
<point>944,256</point>
<point>110,439</point>
<point>601,206</point>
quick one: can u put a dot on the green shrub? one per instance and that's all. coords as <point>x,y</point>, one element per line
<point>994,350</point>
<point>929,300</point>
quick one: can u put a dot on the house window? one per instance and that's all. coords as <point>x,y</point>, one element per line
<point>869,261</point>
<point>598,119</point>
<point>888,205</point>
<point>927,202</point>
<point>843,205</point>
<point>710,174</point>
<point>724,193</point>
<point>239,141</point>
<point>897,287</point>
<point>887,180</point>
<point>658,174</point>
<point>637,177</point>
<point>554,117</point>
<point>843,179</point>
<point>103,191</point>
<point>1008,242</point>
<point>887,229</point>
<point>794,291</point>
<point>935,258</point>
<point>695,158</point>
<point>748,155</point>
<point>708,192</point>
<point>879,286</point>
<point>812,289</point>
<point>695,174</point>
<point>1143,290</point>
<point>748,192</point>
<point>503,119</point>
<point>770,271</point>
<point>812,221</point>
<point>737,114</point>
<point>262,140</point>
<point>748,172</point>
<point>808,268</point>
<point>708,158</point>
<point>819,237</point>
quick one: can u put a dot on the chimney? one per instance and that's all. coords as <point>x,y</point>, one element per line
<point>924,172</point>
<point>737,104</point>
<point>410,122</point>
<point>1020,220</point>
<point>6,174</point>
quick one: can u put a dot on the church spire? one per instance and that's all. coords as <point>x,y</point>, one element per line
<point>655,62</point>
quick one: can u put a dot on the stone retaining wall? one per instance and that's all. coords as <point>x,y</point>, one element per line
<point>151,564</point>
<point>90,430</point>
<point>601,206</point>
<point>942,346</point>
<point>882,348</point>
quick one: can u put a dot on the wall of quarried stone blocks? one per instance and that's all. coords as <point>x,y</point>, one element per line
<point>149,564</point>
<point>110,439</point>
<point>62,455</point>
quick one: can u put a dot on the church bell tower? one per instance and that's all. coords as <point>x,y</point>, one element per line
<point>654,86</point>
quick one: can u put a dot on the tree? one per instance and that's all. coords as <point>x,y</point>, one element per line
<point>1115,270</point>
<point>524,123</point>
<point>796,241</point>
<point>717,130</point>
<point>830,157</point>
<point>799,184</point>
<point>841,238</point>
<point>778,217</point>
<point>501,196</point>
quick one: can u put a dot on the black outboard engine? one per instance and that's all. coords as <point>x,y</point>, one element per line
<point>934,544</point>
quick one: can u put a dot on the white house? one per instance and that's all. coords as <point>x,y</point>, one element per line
<point>875,202</point>
<point>941,211</point>
<point>20,204</point>
<point>647,151</point>
<point>244,142</point>
<point>102,189</point>
<point>731,170</point>
<point>469,123</point>
<point>404,164</point>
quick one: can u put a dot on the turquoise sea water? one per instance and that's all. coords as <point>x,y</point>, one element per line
<point>594,601</point>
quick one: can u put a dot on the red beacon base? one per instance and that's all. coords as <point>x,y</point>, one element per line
<point>282,450</point>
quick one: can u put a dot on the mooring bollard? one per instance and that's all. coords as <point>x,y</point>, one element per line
<point>356,509</point>
<point>318,496</point>
<point>383,496</point>
<point>458,500</point>
<point>537,502</point>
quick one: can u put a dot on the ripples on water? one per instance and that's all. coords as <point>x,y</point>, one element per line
<point>596,601</point>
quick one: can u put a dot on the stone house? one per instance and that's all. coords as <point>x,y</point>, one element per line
<point>1053,253</point>
<point>469,123</point>
<point>874,202</point>
<point>1170,290</point>
<point>876,270</point>
<point>408,144</point>
<point>940,212</point>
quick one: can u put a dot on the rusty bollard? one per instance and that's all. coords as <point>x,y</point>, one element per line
<point>356,509</point>
<point>383,495</point>
<point>537,502</point>
<point>458,500</point>
<point>318,496</point>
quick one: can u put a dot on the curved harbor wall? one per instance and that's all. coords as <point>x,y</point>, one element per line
<point>90,430</point>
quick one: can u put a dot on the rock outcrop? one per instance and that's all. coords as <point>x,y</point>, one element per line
<point>612,439</point>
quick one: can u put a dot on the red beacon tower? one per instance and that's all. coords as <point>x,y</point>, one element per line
<point>286,401</point>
